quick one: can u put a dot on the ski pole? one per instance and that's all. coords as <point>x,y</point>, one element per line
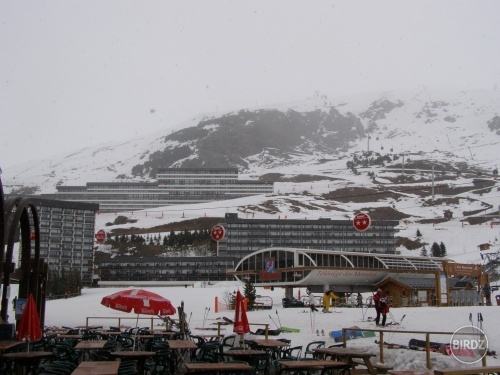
<point>274,321</point>
<point>205,317</point>
<point>311,320</point>
<point>399,325</point>
<point>278,318</point>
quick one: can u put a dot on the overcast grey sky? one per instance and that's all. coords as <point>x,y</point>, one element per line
<point>79,73</point>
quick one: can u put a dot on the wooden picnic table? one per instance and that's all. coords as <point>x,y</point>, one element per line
<point>87,346</point>
<point>469,370</point>
<point>274,345</point>
<point>347,355</point>
<point>269,343</point>
<point>30,360</point>
<point>313,364</point>
<point>251,356</point>
<point>181,348</point>
<point>218,368</point>
<point>410,372</point>
<point>97,368</point>
<point>137,355</point>
<point>6,345</point>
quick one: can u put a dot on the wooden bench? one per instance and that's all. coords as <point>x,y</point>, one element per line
<point>258,305</point>
<point>468,370</point>
<point>380,367</point>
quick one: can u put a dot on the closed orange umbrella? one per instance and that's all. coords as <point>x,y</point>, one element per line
<point>29,328</point>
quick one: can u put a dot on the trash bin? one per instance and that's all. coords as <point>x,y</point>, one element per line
<point>498,299</point>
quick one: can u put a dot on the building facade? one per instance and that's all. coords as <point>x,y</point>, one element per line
<point>351,272</point>
<point>67,236</point>
<point>166,270</point>
<point>173,186</point>
<point>244,236</point>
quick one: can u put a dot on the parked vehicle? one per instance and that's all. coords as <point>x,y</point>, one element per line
<point>263,302</point>
<point>287,302</point>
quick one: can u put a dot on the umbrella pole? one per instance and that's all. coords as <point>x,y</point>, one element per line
<point>135,336</point>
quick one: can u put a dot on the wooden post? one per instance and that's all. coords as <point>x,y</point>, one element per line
<point>381,343</point>
<point>428,349</point>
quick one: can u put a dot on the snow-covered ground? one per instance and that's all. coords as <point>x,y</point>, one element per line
<point>199,304</point>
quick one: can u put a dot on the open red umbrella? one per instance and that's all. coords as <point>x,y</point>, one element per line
<point>240,325</point>
<point>29,327</point>
<point>139,300</point>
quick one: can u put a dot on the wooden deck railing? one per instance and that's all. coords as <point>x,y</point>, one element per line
<point>394,331</point>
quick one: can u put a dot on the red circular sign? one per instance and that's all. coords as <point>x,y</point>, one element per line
<point>361,222</point>
<point>100,236</point>
<point>218,232</point>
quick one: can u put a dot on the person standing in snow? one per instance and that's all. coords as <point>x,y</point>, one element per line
<point>487,294</point>
<point>311,300</point>
<point>360,300</point>
<point>381,306</point>
<point>327,297</point>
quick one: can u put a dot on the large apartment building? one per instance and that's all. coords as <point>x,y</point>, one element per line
<point>173,186</point>
<point>67,236</point>
<point>244,236</point>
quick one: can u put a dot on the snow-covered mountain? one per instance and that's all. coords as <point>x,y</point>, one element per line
<point>398,156</point>
<point>459,127</point>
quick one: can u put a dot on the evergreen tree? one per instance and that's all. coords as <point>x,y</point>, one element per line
<point>435,250</point>
<point>423,252</point>
<point>418,233</point>
<point>172,240</point>
<point>250,293</point>
<point>443,249</point>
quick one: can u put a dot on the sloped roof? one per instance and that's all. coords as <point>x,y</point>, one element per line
<point>422,282</point>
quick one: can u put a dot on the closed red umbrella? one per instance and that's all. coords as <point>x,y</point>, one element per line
<point>240,325</point>
<point>29,327</point>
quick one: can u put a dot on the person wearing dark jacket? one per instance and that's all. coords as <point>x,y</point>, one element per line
<point>381,306</point>
<point>487,294</point>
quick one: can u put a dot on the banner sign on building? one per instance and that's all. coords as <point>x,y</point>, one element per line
<point>463,269</point>
<point>269,265</point>
<point>269,272</point>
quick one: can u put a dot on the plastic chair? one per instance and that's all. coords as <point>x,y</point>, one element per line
<point>313,345</point>
<point>104,354</point>
<point>126,341</point>
<point>263,364</point>
<point>127,368</point>
<point>228,341</point>
<point>161,363</point>
<point>56,369</point>
<point>65,352</point>
<point>292,353</point>
<point>208,353</point>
